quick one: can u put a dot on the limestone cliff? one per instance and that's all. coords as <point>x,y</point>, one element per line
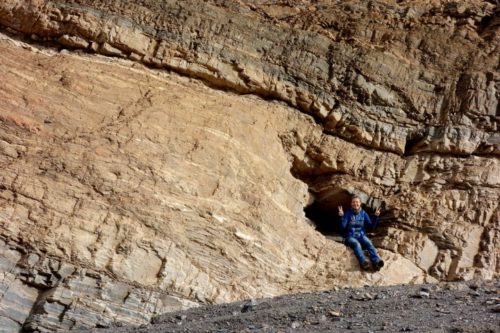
<point>156,155</point>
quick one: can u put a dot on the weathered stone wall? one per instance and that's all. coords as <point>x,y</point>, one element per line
<point>157,182</point>
<point>127,190</point>
<point>372,76</point>
<point>40,293</point>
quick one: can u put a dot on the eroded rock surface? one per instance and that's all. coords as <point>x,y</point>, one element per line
<point>154,192</point>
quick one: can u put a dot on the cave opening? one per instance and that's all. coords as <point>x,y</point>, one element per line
<point>325,217</point>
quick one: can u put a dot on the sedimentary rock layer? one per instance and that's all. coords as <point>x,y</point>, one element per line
<point>158,182</point>
<point>128,190</point>
<point>374,75</point>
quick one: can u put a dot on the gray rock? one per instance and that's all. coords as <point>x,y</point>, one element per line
<point>249,306</point>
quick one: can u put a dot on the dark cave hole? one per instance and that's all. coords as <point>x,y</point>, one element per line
<point>410,144</point>
<point>326,219</point>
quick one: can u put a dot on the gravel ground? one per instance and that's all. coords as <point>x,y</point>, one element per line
<point>447,307</point>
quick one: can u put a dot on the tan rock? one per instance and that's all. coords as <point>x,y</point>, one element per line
<point>73,41</point>
<point>141,191</point>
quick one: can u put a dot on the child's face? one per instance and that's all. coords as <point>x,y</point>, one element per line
<point>356,204</point>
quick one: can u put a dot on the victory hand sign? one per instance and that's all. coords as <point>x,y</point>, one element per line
<point>377,211</point>
<point>341,211</point>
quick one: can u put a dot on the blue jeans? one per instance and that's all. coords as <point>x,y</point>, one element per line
<point>357,244</point>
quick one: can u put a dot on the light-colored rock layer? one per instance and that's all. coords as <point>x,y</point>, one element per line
<point>43,294</point>
<point>156,184</point>
<point>155,181</point>
<point>372,72</point>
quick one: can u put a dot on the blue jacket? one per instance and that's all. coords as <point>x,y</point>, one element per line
<point>354,223</point>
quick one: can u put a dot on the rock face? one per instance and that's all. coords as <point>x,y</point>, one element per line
<point>128,190</point>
